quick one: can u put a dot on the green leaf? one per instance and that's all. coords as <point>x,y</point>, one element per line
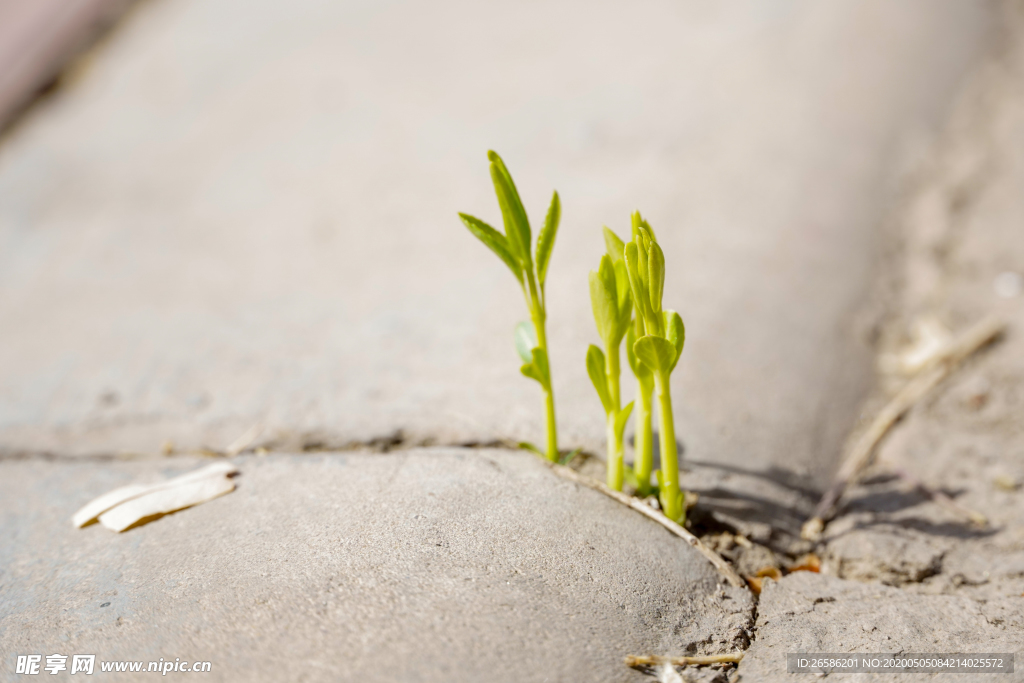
<point>638,222</point>
<point>603,299</point>
<point>621,419</point>
<point>530,370</point>
<point>595,368</point>
<point>517,226</point>
<point>625,315</point>
<point>675,331</point>
<point>527,446</point>
<point>495,241</point>
<point>657,353</point>
<point>656,277</point>
<point>546,239</point>
<point>570,456</point>
<point>622,285</point>
<point>526,340</point>
<point>640,298</point>
<point>643,268</point>
<point>540,361</point>
<point>613,245</point>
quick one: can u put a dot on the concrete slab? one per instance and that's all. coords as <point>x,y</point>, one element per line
<point>807,612</point>
<point>245,213</point>
<point>424,565</point>
<point>961,232</point>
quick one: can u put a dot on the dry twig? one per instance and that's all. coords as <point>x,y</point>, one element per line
<point>915,390</point>
<point>654,660</point>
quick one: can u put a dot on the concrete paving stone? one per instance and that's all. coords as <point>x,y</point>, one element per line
<point>960,226</point>
<point>806,612</point>
<point>422,565</point>
<point>244,212</point>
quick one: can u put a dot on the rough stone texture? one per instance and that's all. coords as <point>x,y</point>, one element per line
<point>245,213</point>
<point>961,586</point>
<point>424,565</point>
<point>807,612</point>
<point>961,230</point>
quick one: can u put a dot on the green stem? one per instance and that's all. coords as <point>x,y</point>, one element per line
<point>643,457</point>
<point>616,451</point>
<point>612,372</point>
<point>537,313</point>
<point>670,502</point>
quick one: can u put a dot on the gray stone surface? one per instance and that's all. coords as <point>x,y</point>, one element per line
<point>961,228</point>
<point>807,612</point>
<point>424,565</point>
<point>245,213</point>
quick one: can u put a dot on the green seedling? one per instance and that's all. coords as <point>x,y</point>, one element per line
<point>613,312</point>
<point>660,336</point>
<point>643,444</point>
<point>513,248</point>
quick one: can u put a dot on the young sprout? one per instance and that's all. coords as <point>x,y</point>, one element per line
<point>660,336</point>
<point>613,313</point>
<point>643,459</point>
<point>514,249</point>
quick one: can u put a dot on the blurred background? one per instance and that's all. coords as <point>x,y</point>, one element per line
<point>221,218</point>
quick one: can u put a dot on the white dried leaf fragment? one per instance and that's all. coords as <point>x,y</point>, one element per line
<point>166,500</point>
<point>96,507</point>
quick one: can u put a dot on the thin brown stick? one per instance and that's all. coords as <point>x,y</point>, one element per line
<point>654,660</point>
<point>916,389</point>
<point>636,504</point>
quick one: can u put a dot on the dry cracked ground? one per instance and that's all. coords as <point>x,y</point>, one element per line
<point>238,220</point>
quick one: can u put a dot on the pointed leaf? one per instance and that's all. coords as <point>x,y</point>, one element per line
<point>622,285</point>
<point>603,298</point>
<point>595,368</point>
<point>495,241</point>
<point>517,226</point>
<point>639,222</point>
<point>657,353</point>
<point>631,256</point>
<point>546,239</point>
<point>527,446</point>
<point>656,278</point>
<point>570,456</point>
<point>675,331</point>
<point>643,268</point>
<point>621,419</point>
<point>636,285</point>
<point>530,370</point>
<point>613,245</point>
<point>526,340</point>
